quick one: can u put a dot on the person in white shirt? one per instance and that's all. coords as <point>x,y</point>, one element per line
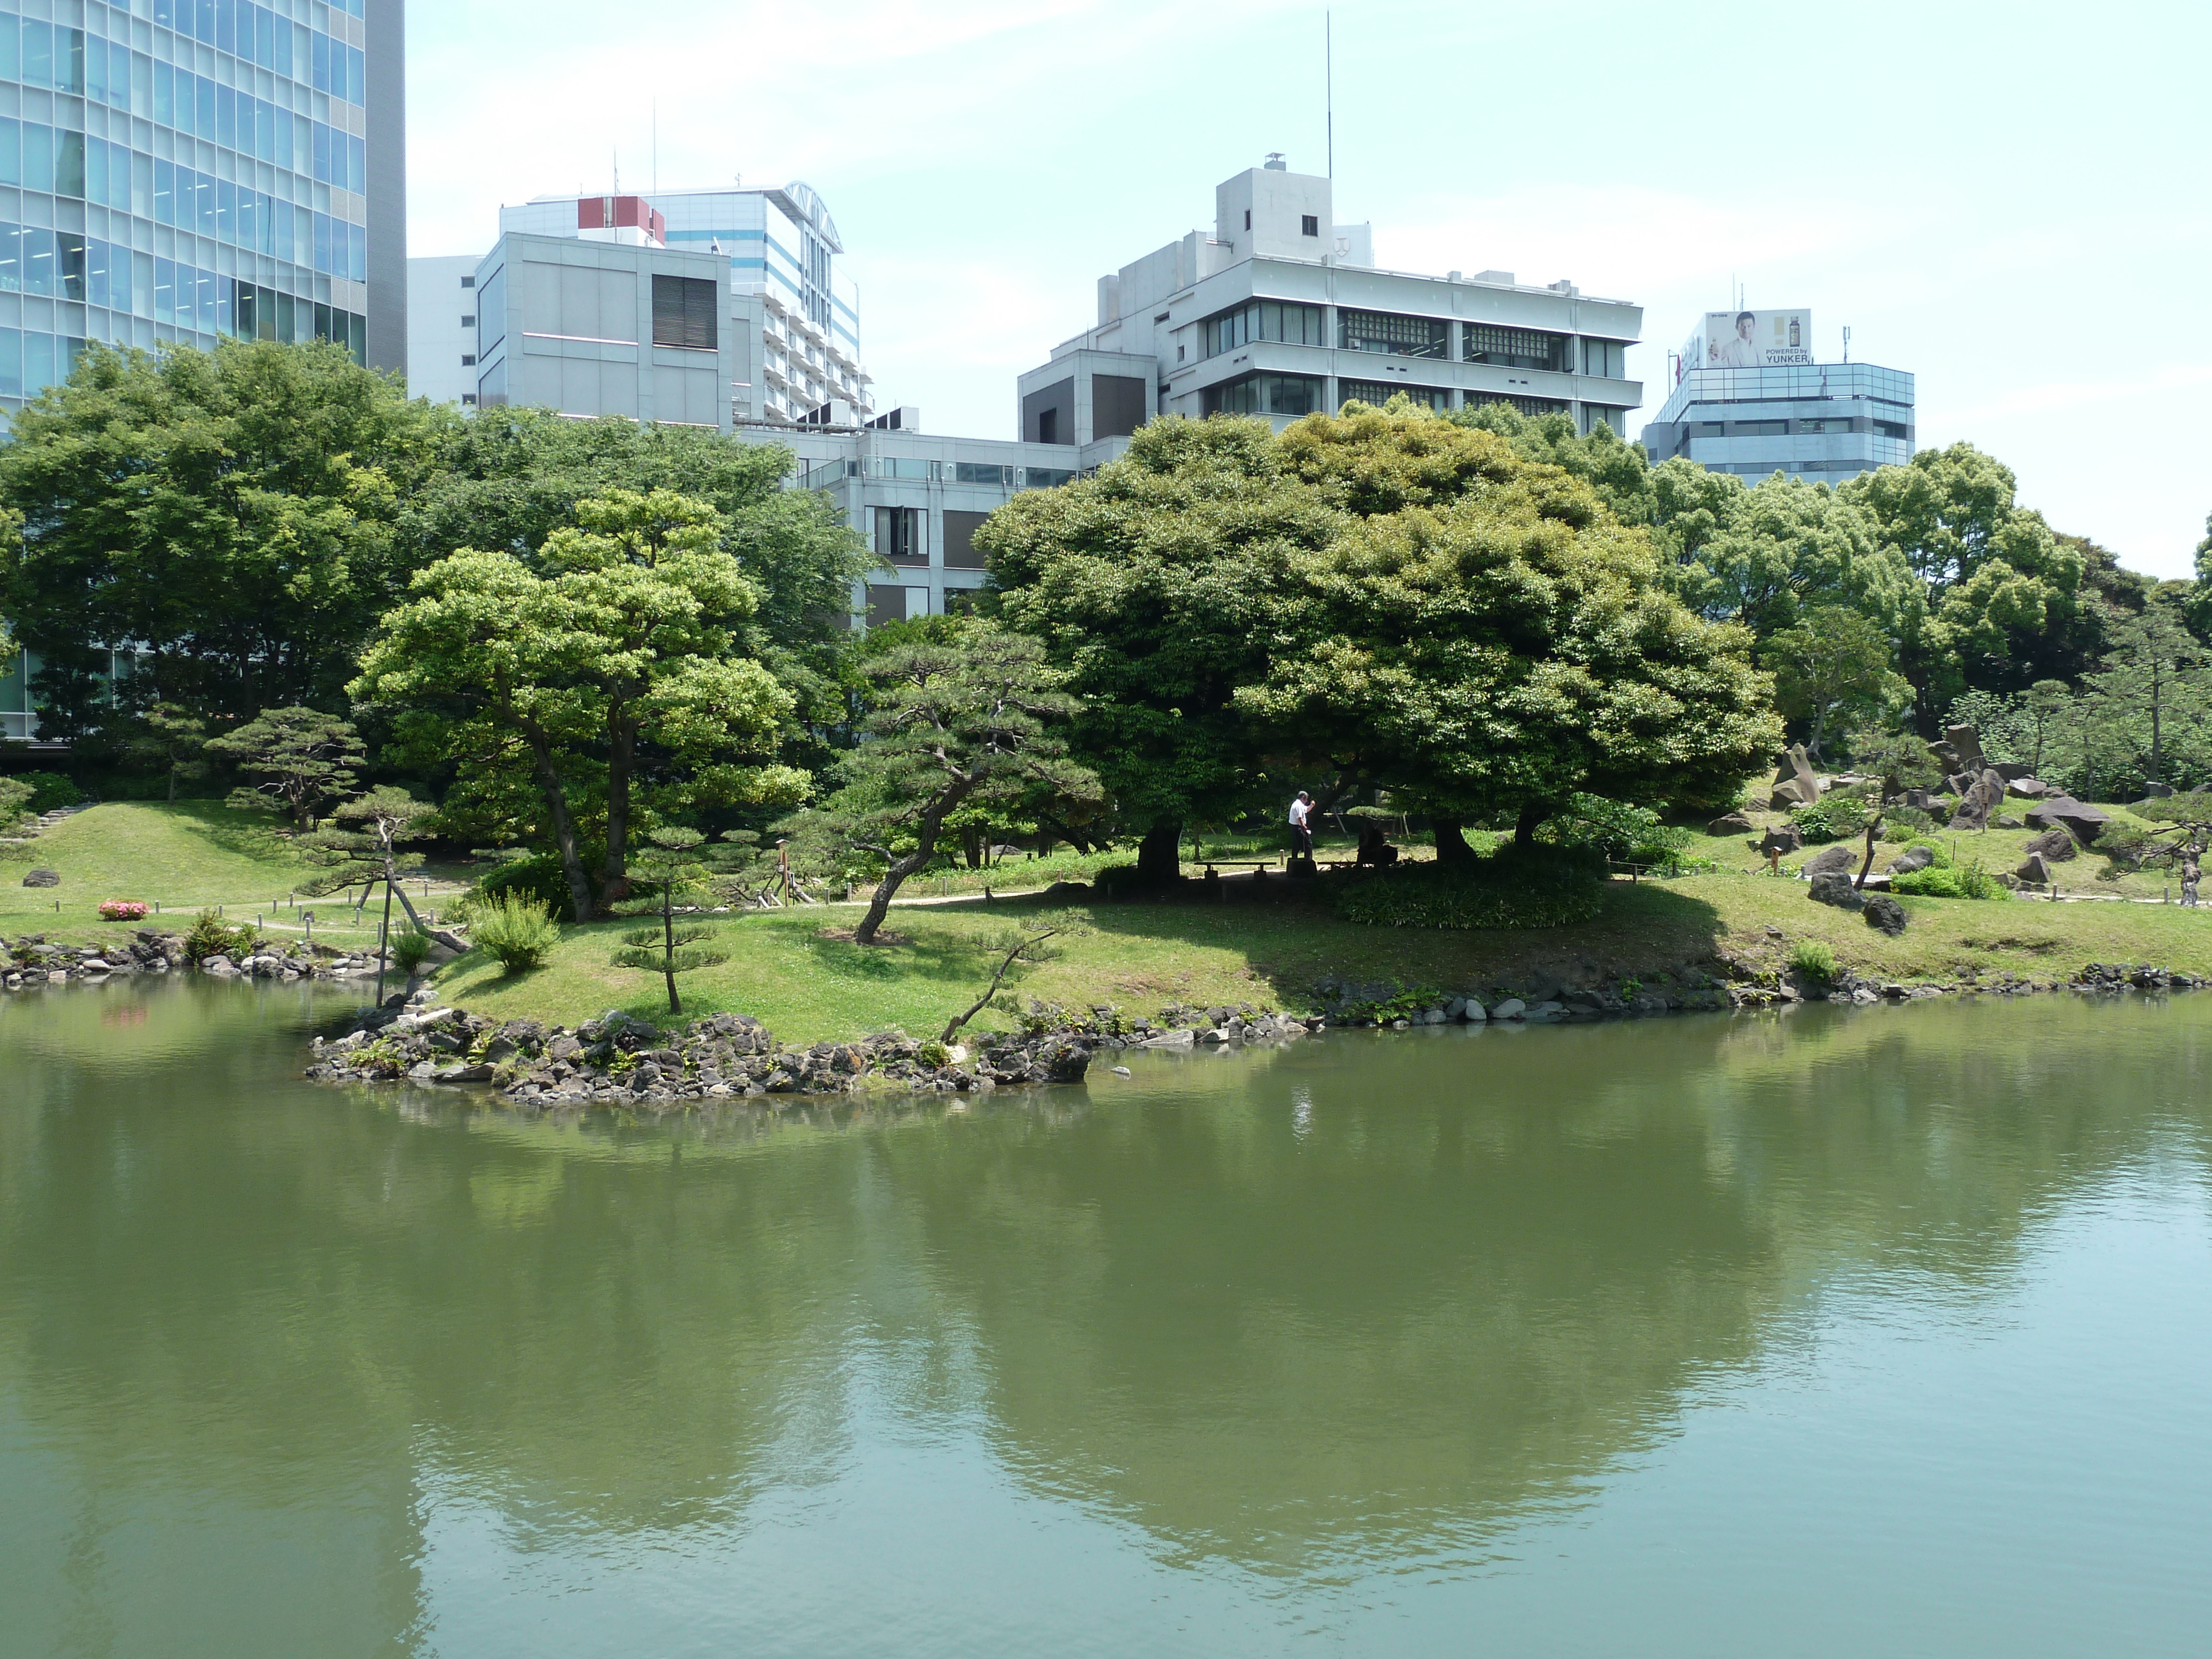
<point>1301,836</point>
<point>1742,352</point>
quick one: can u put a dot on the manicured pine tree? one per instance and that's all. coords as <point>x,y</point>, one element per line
<point>672,875</point>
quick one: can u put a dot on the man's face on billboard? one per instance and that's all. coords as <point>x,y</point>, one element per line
<point>1743,328</point>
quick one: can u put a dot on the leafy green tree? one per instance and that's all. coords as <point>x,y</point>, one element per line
<point>1833,662</point>
<point>1994,580</point>
<point>507,479</point>
<point>1617,471</point>
<point>2152,678</point>
<point>174,738</point>
<point>971,720</point>
<point>1902,760</point>
<point>1787,546</point>
<point>230,513</point>
<point>1157,586</point>
<point>1486,638</point>
<point>615,647</point>
<point>304,760</point>
<point>672,874</point>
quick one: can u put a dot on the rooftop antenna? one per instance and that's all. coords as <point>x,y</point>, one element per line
<point>1847,343</point>
<point>656,146</point>
<point>617,150</point>
<point>1328,83</point>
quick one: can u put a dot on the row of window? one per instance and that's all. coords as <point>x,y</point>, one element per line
<point>1397,335</point>
<point>822,474</point>
<point>902,537</point>
<point>1302,394</point>
<point>65,265</point>
<point>1786,428</point>
<point>43,158</point>
<point>52,55</point>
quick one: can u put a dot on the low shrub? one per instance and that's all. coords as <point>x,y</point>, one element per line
<point>1403,1005</point>
<point>539,877</point>
<point>1509,889</point>
<point>1950,881</point>
<point>1615,829</point>
<point>1813,960</point>
<point>514,930</point>
<point>1905,823</point>
<point>1833,818</point>
<point>409,949</point>
<point>49,790</point>
<point>211,936</point>
<point>14,800</point>
<point>123,910</point>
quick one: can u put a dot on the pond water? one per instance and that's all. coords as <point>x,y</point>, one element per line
<point>1843,1332</point>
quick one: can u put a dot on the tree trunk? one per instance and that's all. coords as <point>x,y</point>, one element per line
<point>1159,856</point>
<point>621,751</point>
<point>668,944</point>
<point>1451,841</point>
<point>925,849</point>
<point>564,827</point>
<point>173,783</point>
<point>1533,814</point>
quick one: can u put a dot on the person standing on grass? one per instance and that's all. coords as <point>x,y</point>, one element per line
<point>1301,836</point>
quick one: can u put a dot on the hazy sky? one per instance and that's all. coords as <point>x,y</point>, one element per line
<point>2010,200</point>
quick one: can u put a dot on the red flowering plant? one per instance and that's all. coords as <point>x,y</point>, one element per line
<point>123,910</point>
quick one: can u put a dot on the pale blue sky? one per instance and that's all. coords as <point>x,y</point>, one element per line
<point>2009,199</point>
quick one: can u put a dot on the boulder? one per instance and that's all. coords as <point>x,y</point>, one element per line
<point>2012,771</point>
<point>43,879</point>
<point>1834,887</point>
<point>1838,857</point>
<point>2055,846</point>
<point>1511,1008</point>
<point>2024,787</point>
<point>1979,802</point>
<point>2002,822</point>
<point>1730,824</point>
<point>1965,743</point>
<point>1922,800</point>
<point>1795,782</point>
<point>2034,870</point>
<point>2157,790</point>
<point>2065,813</point>
<point>1912,859</point>
<point>1781,840</point>
<point>1885,912</point>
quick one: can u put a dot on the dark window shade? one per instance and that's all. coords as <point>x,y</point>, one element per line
<point>1117,405</point>
<point>899,537</point>
<point>961,552</point>
<point>885,605</point>
<point>685,312</point>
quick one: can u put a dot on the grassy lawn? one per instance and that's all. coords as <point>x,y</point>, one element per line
<point>193,856</point>
<point>789,969</point>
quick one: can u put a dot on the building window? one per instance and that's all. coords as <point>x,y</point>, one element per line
<point>899,538</point>
<point>1398,337</point>
<point>468,282</point>
<point>468,322</point>
<point>1179,351</point>
<point>1262,320</point>
<point>1309,225</point>
<point>684,312</point>
<point>1049,415</point>
<point>1247,218</point>
<point>1265,394</point>
<point>1532,407</point>
<point>1759,429</point>
<point>468,360</point>
<point>1516,348</point>
<point>1605,358</point>
<point>979,472</point>
<point>1894,429</point>
<point>468,399</point>
<point>961,552</point>
<point>1379,392</point>
<point>886,604</point>
<point>1047,430</point>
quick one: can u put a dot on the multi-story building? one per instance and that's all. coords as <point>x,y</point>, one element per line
<point>1748,398</point>
<point>442,328</point>
<point>1281,312</point>
<point>185,170</point>
<point>799,313</point>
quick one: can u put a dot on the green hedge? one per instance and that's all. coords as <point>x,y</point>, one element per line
<point>1508,890</point>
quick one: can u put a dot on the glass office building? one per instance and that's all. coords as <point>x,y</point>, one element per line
<point>1823,422</point>
<point>187,170</point>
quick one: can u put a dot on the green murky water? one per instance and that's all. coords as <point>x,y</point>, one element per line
<point>1843,1332</point>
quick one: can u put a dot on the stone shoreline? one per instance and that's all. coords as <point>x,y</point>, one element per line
<point>38,959</point>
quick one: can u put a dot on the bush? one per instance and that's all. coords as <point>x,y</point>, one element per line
<point>212,937</point>
<point>49,790</point>
<point>1905,823</point>
<point>409,949</point>
<point>1813,960</point>
<point>514,930</point>
<point>1834,818</point>
<point>1942,881</point>
<point>1509,889</point>
<point>1614,829</point>
<point>123,910</point>
<point>15,799</point>
<point>537,878</point>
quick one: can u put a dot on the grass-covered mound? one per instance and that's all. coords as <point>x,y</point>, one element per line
<point>1510,889</point>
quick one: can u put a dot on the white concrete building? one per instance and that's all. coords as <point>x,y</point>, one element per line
<point>441,329</point>
<point>1281,312</point>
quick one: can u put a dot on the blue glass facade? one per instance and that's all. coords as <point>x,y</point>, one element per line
<point>1826,421</point>
<point>180,170</point>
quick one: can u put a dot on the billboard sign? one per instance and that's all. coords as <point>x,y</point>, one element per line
<point>1750,339</point>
